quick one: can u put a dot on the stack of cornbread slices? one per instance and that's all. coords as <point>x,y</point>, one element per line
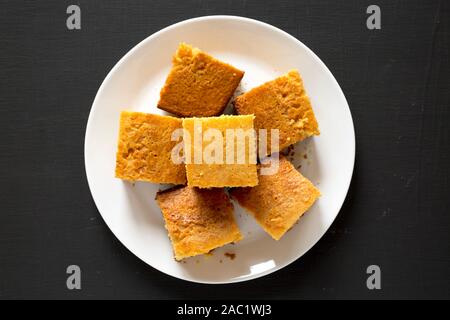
<point>161,149</point>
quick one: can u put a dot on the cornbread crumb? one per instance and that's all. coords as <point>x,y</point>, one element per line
<point>229,255</point>
<point>279,200</point>
<point>207,175</point>
<point>281,104</point>
<point>198,84</point>
<point>144,149</point>
<point>197,220</point>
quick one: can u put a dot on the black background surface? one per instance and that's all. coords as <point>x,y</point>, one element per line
<point>397,212</point>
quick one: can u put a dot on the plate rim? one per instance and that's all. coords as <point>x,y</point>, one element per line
<point>193,20</point>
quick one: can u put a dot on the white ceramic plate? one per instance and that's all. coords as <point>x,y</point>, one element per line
<point>263,52</point>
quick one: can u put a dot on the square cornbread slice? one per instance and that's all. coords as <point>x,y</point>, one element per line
<point>198,85</point>
<point>281,104</point>
<point>144,149</point>
<point>220,151</point>
<point>279,200</point>
<point>197,220</point>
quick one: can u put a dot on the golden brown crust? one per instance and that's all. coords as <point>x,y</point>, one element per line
<point>198,84</point>
<point>197,220</point>
<point>222,175</point>
<point>144,149</point>
<point>279,200</point>
<point>281,104</point>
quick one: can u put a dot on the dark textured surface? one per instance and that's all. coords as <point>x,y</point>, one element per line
<point>397,213</point>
